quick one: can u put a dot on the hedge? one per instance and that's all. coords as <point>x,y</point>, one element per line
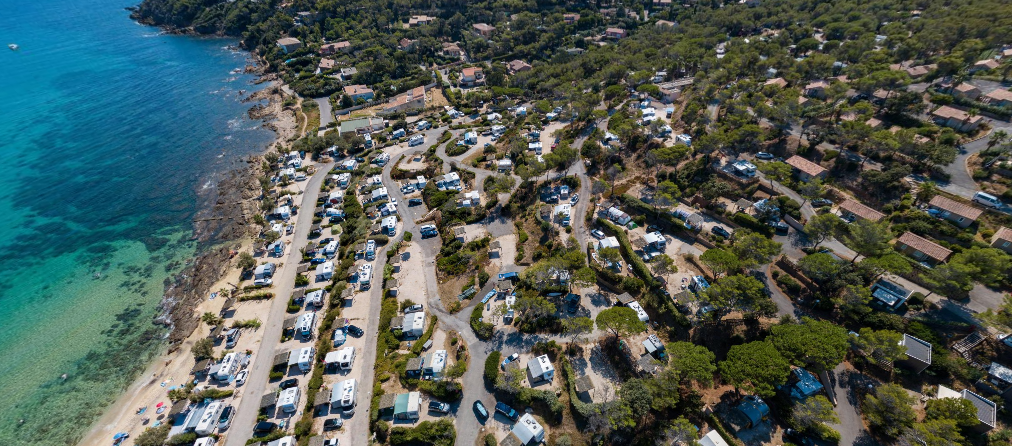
<point>417,347</point>
<point>481,329</point>
<point>426,433</point>
<point>749,222</point>
<point>492,366</point>
<point>638,266</point>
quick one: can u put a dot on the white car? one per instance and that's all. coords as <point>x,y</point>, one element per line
<point>240,379</point>
<point>225,420</point>
<point>263,282</point>
<point>597,234</point>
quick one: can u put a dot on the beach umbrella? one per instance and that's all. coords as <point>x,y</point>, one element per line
<point>160,405</point>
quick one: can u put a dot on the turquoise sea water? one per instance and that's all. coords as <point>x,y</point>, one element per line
<point>109,131</point>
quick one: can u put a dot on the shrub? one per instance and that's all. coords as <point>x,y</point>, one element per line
<point>492,366</point>
<point>749,222</point>
<point>276,375</point>
<point>788,284</point>
<point>490,440</point>
<point>407,236</point>
<point>181,439</point>
<point>301,280</point>
<point>481,329</point>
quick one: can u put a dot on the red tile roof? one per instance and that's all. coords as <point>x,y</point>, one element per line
<point>955,207</point>
<point>925,246</point>
<point>805,165</point>
<point>861,210</point>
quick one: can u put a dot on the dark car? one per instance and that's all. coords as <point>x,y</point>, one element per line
<point>264,427</point>
<point>317,260</point>
<point>481,410</point>
<point>653,228</point>
<point>819,202</point>
<point>506,410</point>
<point>796,437</point>
<point>333,423</point>
<point>719,230</point>
<point>288,383</point>
<point>414,202</point>
<point>780,226</point>
<point>326,240</point>
<point>355,331</point>
<point>437,406</point>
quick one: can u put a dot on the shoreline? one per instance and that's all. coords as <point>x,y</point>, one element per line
<point>223,227</point>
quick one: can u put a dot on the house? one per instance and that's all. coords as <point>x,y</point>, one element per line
<point>655,240</point>
<point>528,431</point>
<point>743,168</point>
<point>998,381</point>
<point>816,89</point>
<point>965,91</point>
<point>802,384</point>
<point>452,50</point>
<point>504,165</point>
<point>712,438</point>
<point>778,81</point>
<point>851,210</point>
<point>407,405</point>
<point>984,65</point>
<point>289,44</point>
<point>356,92</point>
<point>418,20</point>
<point>888,295</point>
<point>1002,239</point>
<point>380,193</point>
<point>347,73</point>
<point>1006,53</point>
<point>570,18</point>
<point>411,100</point>
<point>516,66</point>
<point>922,249</point>
<point>987,410</point>
<point>955,118</point>
<point>962,215</point>
<point>471,199</point>
<point>484,29</point>
<point>414,367</point>
<point>333,48</point>
<point>918,353</point>
<point>615,33</point>
<point>654,347</point>
<point>805,169</point>
<point>541,369</point>
<point>448,181</point>
<point>325,65</point>
<point>434,363</point>
<point>324,271</point>
<point>360,125</point>
<point>998,98</point>
<point>406,44</point>
<point>472,76</point>
<point>749,413</point>
<point>666,24</point>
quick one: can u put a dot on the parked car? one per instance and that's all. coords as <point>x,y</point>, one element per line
<point>437,406</point>
<point>574,199</point>
<point>597,234</point>
<point>719,230</point>
<point>288,383</point>
<point>797,438</point>
<point>332,442</point>
<point>481,410</point>
<point>506,410</point>
<point>323,242</point>
<point>267,281</point>
<point>413,309</point>
<point>232,337</point>
<point>240,379</point>
<point>333,423</point>
<point>225,419</point>
<point>653,228</point>
<point>414,202</point>
<point>317,260</point>
<point>819,202</point>
<point>509,359</point>
<point>355,331</point>
<point>764,156</point>
<point>780,226</point>
<point>264,427</point>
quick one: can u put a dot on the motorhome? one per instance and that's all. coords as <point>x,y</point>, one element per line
<point>209,419</point>
<point>365,277</point>
<point>324,271</point>
<point>390,225</point>
<point>206,441</point>
<point>345,358</point>
<point>306,355</point>
<point>306,323</point>
<point>229,365</point>
<point>288,400</point>
<point>370,250</point>
<point>331,249</point>
<point>344,393</point>
<point>416,140</point>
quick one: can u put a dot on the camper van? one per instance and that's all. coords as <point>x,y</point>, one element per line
<point>306,355</point>
<point>346,358</point>
<point>390,225</point>
<point>206,441</point>
<point>331,249</point>
<point>370,250</point>
<point>306,324</point>
<point>228,366</point>
<point>209,419</point>
<point>987,200</point>
<point>343,396</point>
<point>288,400</point>
<point>365,277</point>
<point>416,140</point>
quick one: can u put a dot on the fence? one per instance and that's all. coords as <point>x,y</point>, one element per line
<point>791,268</point>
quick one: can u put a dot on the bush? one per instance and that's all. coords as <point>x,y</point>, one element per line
<point>181,439</point>
<point>492,366</point>
<point>276,375</point>
<point>481,329</point>
<point>407,236</point>
<point>490,440</point>
<point>749,222</point>
<point>426,433</point>
<point>788,284</point>
<point>482,278</point>
<point>301,280</point>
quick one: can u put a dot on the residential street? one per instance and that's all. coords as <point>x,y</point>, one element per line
<point>284,282</point>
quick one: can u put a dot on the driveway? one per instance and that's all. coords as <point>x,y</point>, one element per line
<point>847,385</point>
<point>326,113</point>
<point>256,384</point>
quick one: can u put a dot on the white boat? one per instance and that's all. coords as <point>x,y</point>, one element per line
<point>13,46</point>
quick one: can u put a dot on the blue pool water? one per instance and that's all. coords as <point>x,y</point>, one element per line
<point>108,132</point>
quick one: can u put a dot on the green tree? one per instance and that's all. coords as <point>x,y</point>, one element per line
<point>868,238</point>
<point>821,345</point>
<point>756,366</point>
<point>621,321</point>
<point>635,394</point>
<point>889,411</point>
<point>211,319</point>
<point>892,262</point>
<point>246,261</point>
<point>575,327</point>
<point>532,306</point>
<point>959,410</point>
<point>153,436</point>
<point>664,389</point>
<point>681,431</point>
<point>610,255</point>
<point>1000,317</point>
<point>938,432</point>
<point>753,249</point>
<point>776,171</point>
<point>692,362</point>
<point>821,227</point>
<point>663,265</point>
<point>671,156</point>
<point>720,261</point>
<point>203,349</point>
<point>735,292</point>
<point>807,415</point>
<point>883,345</point>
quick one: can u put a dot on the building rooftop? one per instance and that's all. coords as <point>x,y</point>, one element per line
<point>955,207</point>
<point>987,410</point>
<point>805,165</point>
<point>861,210</point>
<point>998,94</point>
<point>954,113</point>
<point>929,248</point>
<point>917,348</point>
<point>1002,234</point>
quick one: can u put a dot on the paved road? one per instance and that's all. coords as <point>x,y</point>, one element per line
<point>847,383</point>
<point>256,384</point>
<point>326,113</point>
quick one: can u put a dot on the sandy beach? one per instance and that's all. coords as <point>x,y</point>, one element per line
<point>172,366</point>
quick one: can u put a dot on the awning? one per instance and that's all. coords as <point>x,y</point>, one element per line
<point>268,400</point>
<point>281,359</point>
